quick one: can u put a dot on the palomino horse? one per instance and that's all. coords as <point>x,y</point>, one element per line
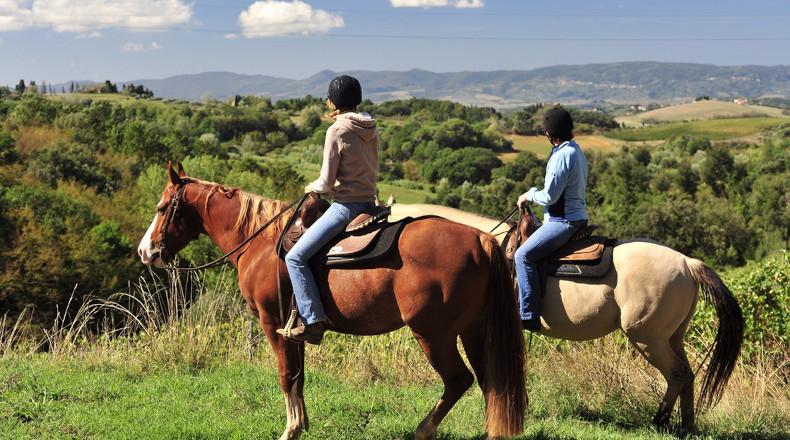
<point>650,294</point>
<point>443,280</point>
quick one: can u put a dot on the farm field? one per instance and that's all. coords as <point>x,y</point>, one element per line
<point>540,146</point>
<point>713,129</point>
<point>700,110</point>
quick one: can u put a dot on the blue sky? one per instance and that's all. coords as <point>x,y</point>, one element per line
<point>56,41</point>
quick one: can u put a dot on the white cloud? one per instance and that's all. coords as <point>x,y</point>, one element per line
<point>271,18</point>
<point>137,47</point>
<point>133,47</point>
<point>14,15</point>
<point>230,36</point>
<point>436,3</point>
<point>93,34</point>
<point>87,16</point>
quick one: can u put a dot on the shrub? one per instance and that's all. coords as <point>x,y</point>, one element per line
<point>763,292</point>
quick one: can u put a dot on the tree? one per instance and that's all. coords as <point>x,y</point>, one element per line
<point>20,87</point>
<point>526,163</point>
<point>525,121</point>
<point>457,166</point>
<point>716,169</point>
<point>8,153</point>
<point>35,109</point>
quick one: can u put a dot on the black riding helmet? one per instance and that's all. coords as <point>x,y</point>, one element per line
<point>344,92</point>
<point>557,122</point>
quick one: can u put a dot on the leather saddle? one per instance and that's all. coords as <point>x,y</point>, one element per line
<point>584,255</point>
<point>367,238</point>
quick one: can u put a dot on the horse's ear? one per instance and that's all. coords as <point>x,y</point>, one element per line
<point>174,177</point>
<point>181,172</point>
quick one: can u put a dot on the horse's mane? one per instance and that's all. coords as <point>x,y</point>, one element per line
<point>254,210</point>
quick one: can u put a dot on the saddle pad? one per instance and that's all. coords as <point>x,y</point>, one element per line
<point>592,269</point>
<point>383,241</point>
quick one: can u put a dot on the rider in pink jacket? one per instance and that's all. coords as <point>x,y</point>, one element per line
<point>348,175</point>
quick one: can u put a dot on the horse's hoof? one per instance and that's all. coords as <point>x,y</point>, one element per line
<point>685,431</point>
<point>661,421</point>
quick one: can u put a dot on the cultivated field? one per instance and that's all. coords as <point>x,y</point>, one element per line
<point>540,146</point>
<point>704,109</point>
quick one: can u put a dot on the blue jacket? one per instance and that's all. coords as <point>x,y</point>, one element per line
<point>563,196</point>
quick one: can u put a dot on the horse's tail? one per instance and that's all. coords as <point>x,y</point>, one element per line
<point>504,385</point>
<point>729,336</point>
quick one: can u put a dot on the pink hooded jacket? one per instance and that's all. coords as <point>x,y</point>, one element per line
<point>351,159</point>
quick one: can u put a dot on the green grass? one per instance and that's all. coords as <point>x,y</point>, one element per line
<point>714,129</point>
<point>404,193</point>
<point>71,398</point>
<point>187,376</point>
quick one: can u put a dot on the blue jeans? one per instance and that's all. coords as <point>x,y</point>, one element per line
<point>327,227</point>
<point>542,243</point>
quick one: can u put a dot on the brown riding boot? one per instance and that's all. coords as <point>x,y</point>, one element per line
<point>310,333</point>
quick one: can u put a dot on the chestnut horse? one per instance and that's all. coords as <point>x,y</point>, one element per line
<point>650,294</point>
<point>443,280</point>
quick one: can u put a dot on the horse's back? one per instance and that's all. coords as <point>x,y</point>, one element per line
<point>400,211</point>
<point>647,285</point>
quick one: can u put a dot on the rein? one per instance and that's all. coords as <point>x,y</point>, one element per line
<point>174,202</point>
<point>504,219</point>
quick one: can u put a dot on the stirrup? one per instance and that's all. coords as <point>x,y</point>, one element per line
<point>289,325</point>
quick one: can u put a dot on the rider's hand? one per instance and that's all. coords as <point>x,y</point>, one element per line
<point>522,201</point>
<point>313,194</point>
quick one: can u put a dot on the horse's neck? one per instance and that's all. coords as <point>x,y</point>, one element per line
<point>219,220</point>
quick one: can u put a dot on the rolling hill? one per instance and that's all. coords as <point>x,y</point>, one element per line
<point>700,110</point>
<point>624,83</point>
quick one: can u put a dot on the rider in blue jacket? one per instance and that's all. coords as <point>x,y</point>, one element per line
<point>564,210</point>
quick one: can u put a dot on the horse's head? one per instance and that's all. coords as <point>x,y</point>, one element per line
<point>174,225</point>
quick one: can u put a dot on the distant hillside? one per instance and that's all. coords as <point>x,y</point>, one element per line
<point>634,82</point>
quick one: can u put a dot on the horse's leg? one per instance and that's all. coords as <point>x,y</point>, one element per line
<point>677,342</point>
<point>445,359</point>
<point>676,370</point>
<point>290,365</point>
<point>473,338</point>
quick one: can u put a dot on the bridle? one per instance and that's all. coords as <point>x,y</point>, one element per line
<point>175,201</point>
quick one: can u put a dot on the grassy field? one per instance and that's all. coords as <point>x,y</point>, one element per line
<point>189,376</point>
<point>581,391</point>
<point>713,129</point>
<point>701,110</point>
<point>540,146</point>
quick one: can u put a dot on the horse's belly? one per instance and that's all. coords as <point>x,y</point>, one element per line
<point>361,302</point>
<point>579,309</point>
